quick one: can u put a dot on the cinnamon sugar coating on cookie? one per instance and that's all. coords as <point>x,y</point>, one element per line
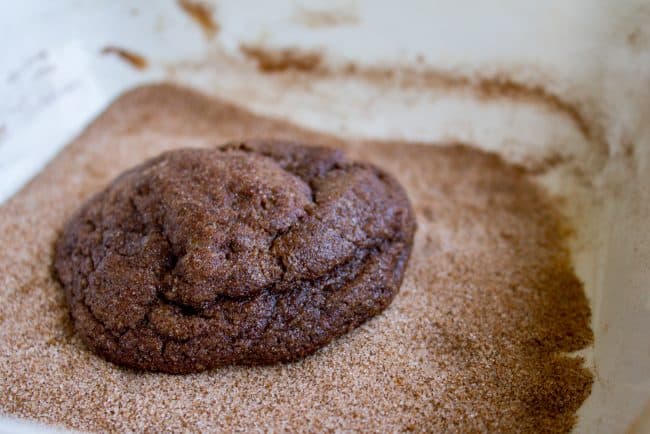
<point>253,253</point>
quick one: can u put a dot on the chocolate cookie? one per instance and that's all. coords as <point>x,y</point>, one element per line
<point>253,253</point>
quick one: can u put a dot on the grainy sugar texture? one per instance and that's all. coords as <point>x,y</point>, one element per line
<point>474,341</point>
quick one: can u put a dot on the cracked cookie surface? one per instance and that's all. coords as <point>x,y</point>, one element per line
<point>252,253</point>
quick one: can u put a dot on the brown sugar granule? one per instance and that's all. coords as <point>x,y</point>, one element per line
<point>475,340</point>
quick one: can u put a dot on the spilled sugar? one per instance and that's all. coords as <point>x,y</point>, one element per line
<point>474,340</point>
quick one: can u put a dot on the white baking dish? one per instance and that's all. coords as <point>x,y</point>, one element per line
<point>593,55</point>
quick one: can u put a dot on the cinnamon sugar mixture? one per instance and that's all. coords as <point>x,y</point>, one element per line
<point>474,341</point>
<point>135,60</point>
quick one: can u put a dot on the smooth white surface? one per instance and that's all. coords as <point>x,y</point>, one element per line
<point>53,80</point>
